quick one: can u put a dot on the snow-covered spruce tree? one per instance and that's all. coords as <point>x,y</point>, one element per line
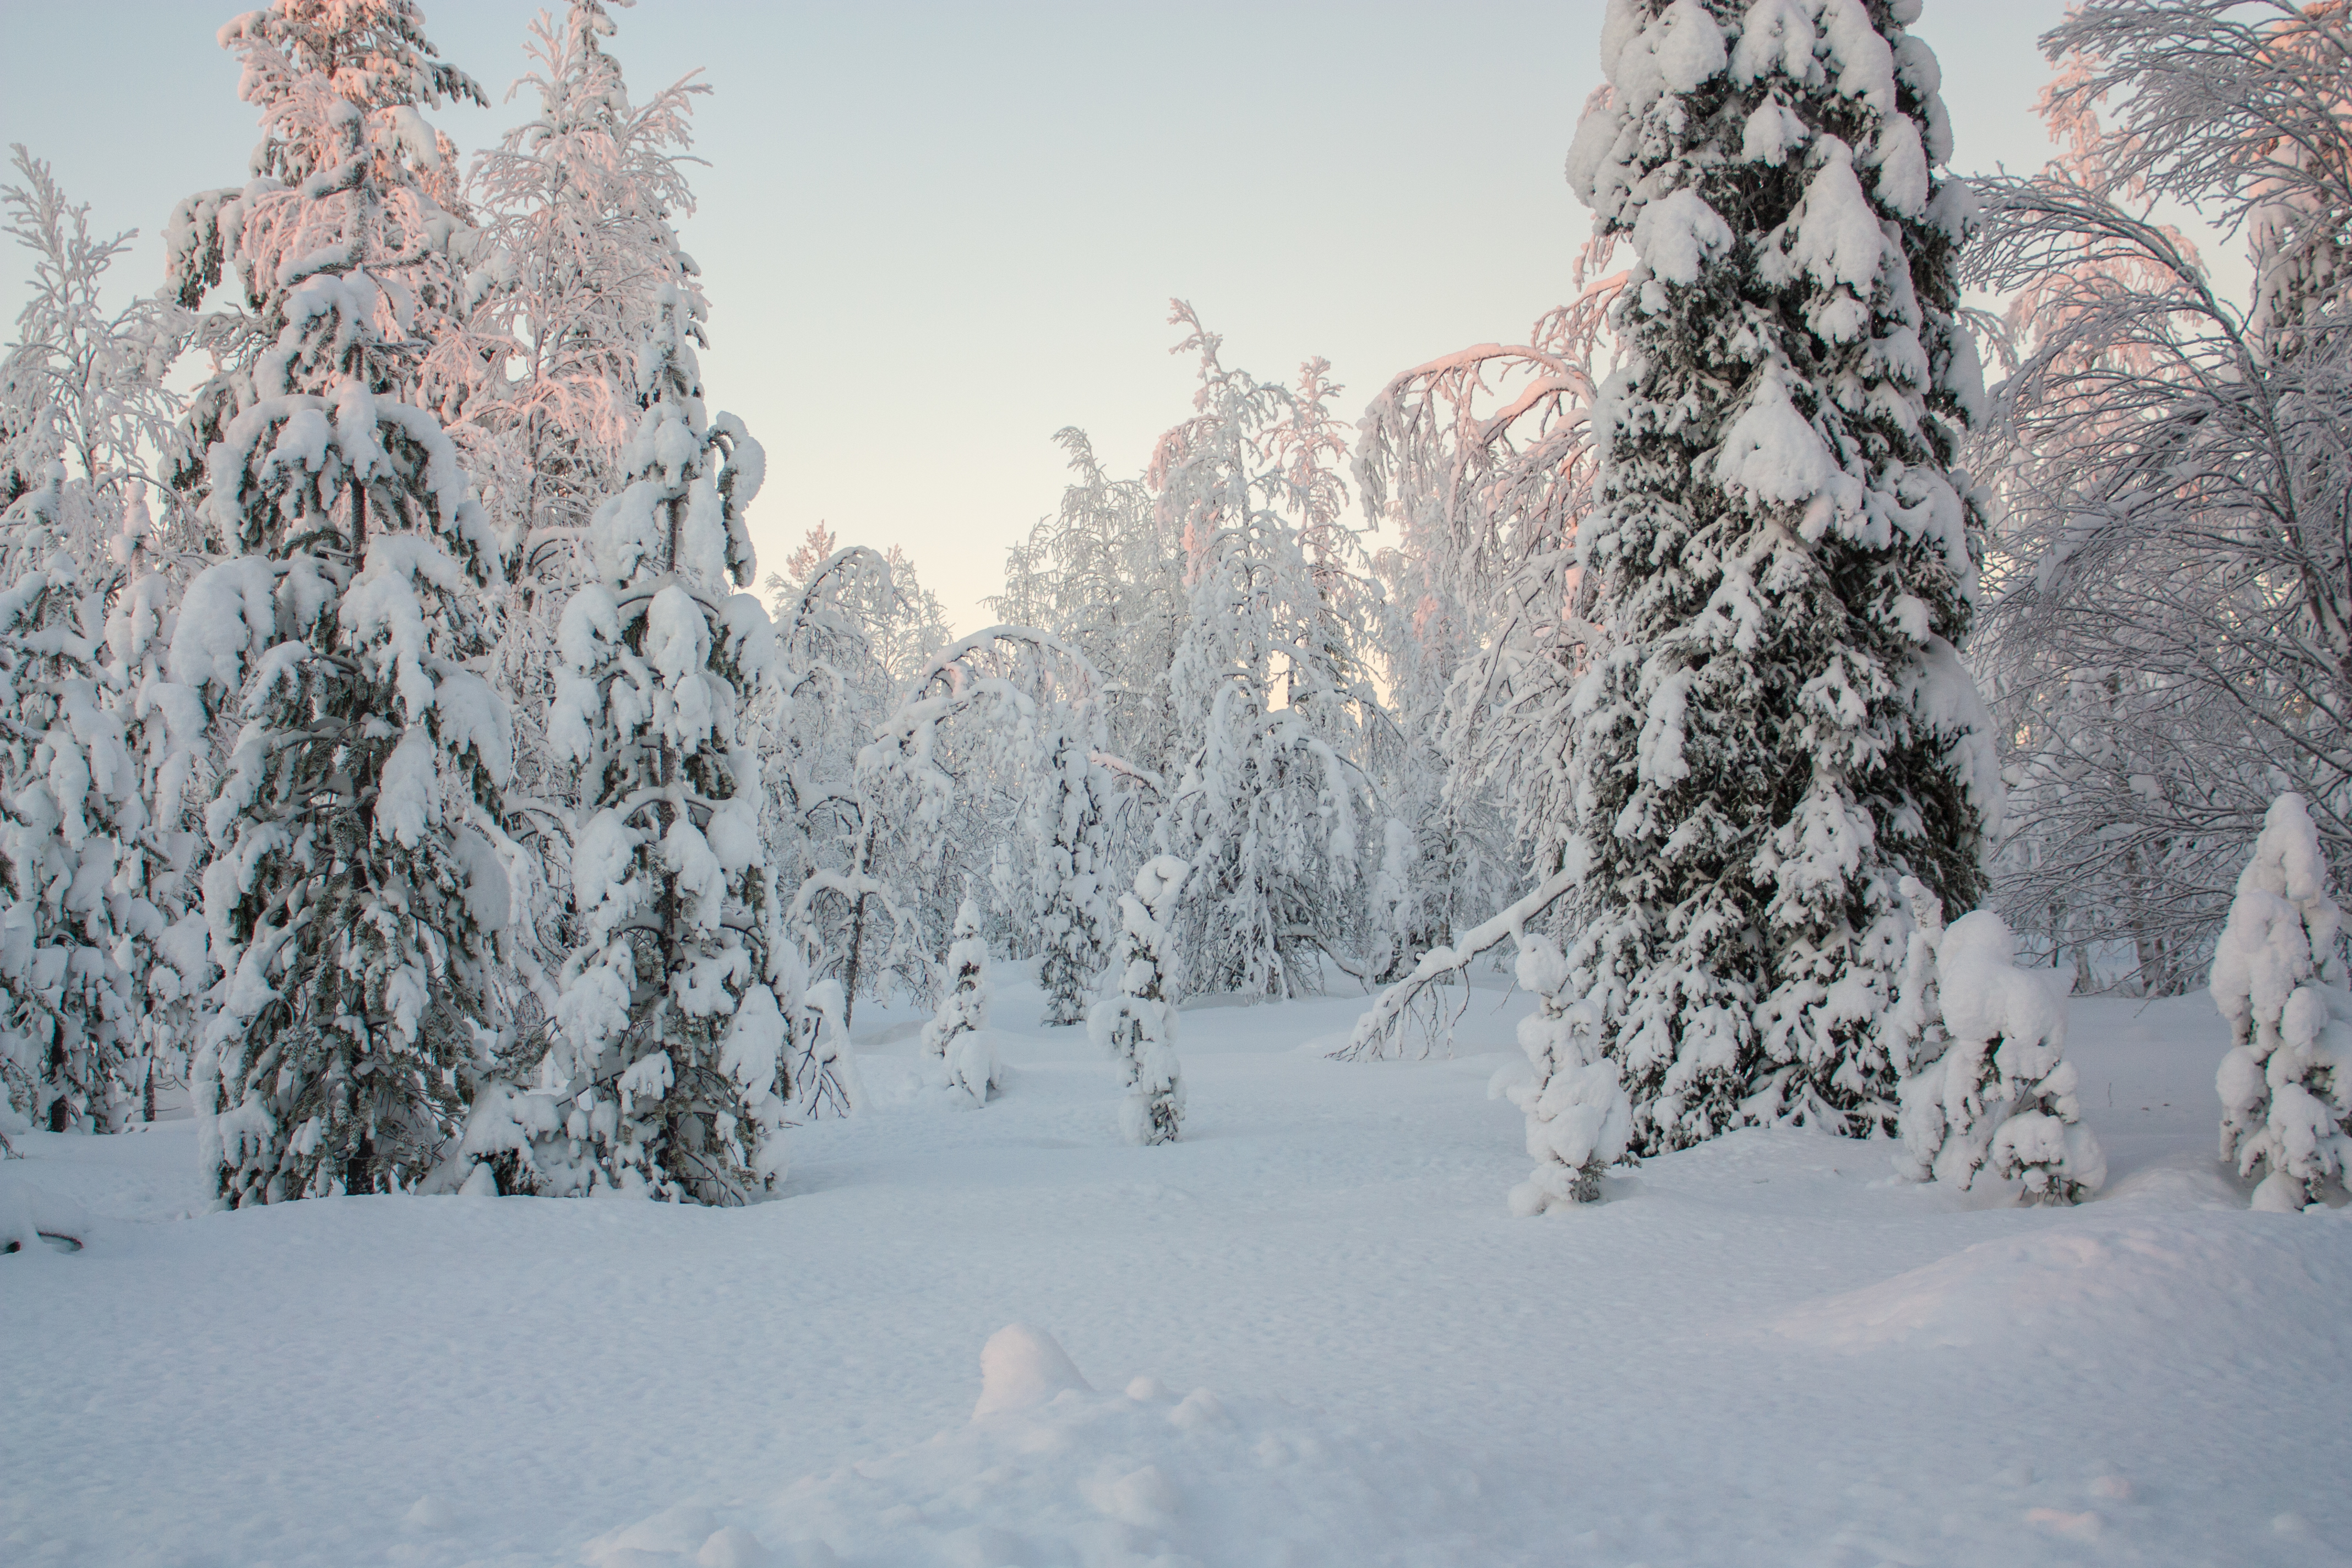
<point>1578,1118</point>
<point>2279,978</point>
<point>957,1055</point>
<point>1264,687</point>
<point>1137,1022</point>
<point>99,953</point>
<point>670,1063</point>
<point>1987,1084</point>
<point>357,883</point>
<point>1775,729</point>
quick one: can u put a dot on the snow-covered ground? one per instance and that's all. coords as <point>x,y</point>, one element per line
<point>1313,1336</point>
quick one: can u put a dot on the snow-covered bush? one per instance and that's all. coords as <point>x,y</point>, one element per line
<point>1137,1023</point>
<point>670,1059</point>
<point>2279,978</point>
<point>1774,728</point>
<point>957,1055</point>
<point>1579,1121</point>
<point>1988,1087</point>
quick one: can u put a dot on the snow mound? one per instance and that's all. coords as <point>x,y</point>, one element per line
<point>1051,1474</point>
<point>2083,1289</point>
<point>1981,1294</point>
<point>1020,1367</point>
<point>33,1217</point>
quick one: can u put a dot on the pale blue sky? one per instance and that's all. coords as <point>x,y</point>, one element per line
<point>935,233</point>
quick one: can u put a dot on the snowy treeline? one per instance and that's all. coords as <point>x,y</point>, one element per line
<point>400,767</point>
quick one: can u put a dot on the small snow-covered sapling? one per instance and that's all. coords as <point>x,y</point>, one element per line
<point>2279,978</point>
<point>1578,1118</point>
<point>1137,1023</point>
<point>957,1055</point>
<point>1999,1095</point>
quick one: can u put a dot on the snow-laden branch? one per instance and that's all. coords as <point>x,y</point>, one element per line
<point>1381,1029</point>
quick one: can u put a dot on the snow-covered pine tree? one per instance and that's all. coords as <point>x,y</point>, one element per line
<point>1776,728</point>
<point>576,247</point>
<point>1987,1085</point>
<point>1066,817</point>
<point>1263,687</point>
<point>957,1055</point>
<point>2279,978</point>
<point>671,1058</point>
<point>1137,1022</point>
<point>357,884</point>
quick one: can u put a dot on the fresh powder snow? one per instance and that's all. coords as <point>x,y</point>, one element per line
<point>1308,1333</point>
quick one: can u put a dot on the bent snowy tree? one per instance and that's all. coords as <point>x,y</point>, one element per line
<point>1265,693</point>
<point>2172,633</point>
<point>1775,729</point>
<point>1023,708</point>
